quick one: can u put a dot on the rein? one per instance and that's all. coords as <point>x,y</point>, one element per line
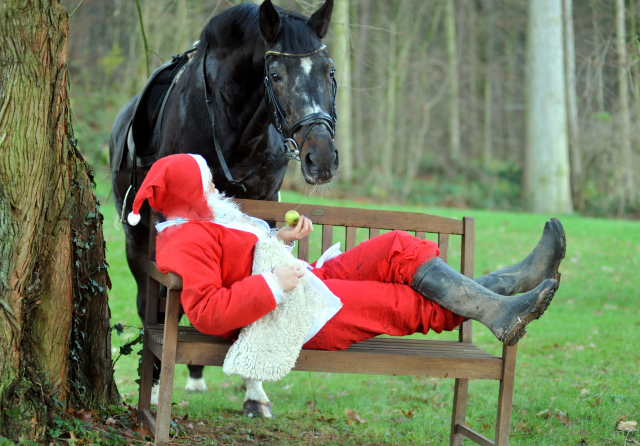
<point>285,131</point>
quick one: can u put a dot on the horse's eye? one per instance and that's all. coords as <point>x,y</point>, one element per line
<point>276,77</point>
<point>332,72</point>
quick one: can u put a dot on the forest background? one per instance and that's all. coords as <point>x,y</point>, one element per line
<point>431,99</point>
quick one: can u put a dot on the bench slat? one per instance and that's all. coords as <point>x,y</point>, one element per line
<point>361,218</point>
<point>377,356</point>
<point>327,237</point>
<point>350,238</point>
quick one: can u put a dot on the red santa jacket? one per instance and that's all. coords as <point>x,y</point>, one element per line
<point>219,294</point>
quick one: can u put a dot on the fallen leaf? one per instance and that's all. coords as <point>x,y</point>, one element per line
<point>142,430</point>
<point>408,414</point>
<point>110,421</point>
<point>354,417</point>
<point>627,426</point>
<point>83,416</point>
<point>328,420</point>
<point>564,418</point>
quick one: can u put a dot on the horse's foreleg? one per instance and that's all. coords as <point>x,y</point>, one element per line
<point>256,402</point>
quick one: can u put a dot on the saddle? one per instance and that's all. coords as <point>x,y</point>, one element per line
<point>145,126</point>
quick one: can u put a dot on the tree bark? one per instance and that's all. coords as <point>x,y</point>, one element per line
<point>487,152</point>
<point>575,152</point>
<point>386,158</point>
<point>341,54</point>
<point>626,161</point>
<point>546,174</point>
<point>454,86</point>
<point>54,317</point>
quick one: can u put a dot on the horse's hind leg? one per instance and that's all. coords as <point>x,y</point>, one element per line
<point>137,246</point>
<point>196,383</point>
<point>256,403</point>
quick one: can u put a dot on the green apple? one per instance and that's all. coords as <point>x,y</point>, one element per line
<point>292,217</point>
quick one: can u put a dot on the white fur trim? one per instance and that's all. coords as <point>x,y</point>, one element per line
<point>204,171</point>
<point>278,293</point>
<point>133,219</point>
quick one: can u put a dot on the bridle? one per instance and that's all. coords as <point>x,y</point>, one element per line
<point>286,132</point>
<point>312,119</point>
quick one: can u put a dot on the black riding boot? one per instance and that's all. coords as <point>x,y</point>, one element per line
<point>542,263</point>
<point>505,316</point>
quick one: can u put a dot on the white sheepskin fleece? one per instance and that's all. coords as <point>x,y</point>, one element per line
<point>267,349</point>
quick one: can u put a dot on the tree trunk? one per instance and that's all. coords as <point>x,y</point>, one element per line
<point>454,86</point>
<point>386,159</point>
<point>487,152</point>
<point>626,161</point>
<point>341,54</point>
<point>54,317</point>
<point>546,179</point>
<point>575,152</point>
<point>361,124</point>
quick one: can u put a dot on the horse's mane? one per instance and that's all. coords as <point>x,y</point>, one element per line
<point>239,26</point>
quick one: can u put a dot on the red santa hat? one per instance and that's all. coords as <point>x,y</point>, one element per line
<point>175,186</point>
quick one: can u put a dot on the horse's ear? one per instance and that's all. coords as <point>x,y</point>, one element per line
<point>320,20</point>
<point>269,21</point>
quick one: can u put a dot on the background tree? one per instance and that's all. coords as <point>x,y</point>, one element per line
<point>627,188</point>
<point>55,346</point>
<point>547,162</point>
<point>341,54</point>
<point>575,152</point>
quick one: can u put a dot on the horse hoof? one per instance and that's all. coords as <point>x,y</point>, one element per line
<point>155,393</point>
<point>196,385</point>
<point>256,409</point>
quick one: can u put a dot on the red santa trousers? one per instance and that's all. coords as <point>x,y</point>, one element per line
<point>372,280</point>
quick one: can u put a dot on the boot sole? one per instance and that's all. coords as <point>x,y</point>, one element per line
<point>517,330</point>
<point>556,275</point>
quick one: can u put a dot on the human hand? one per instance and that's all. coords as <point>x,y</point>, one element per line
<point>288,276</point>
<point>290,233</point>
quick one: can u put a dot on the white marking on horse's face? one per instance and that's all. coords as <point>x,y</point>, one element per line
<point>255,391</point>
<point>313,107</point>
<point>306,64</point>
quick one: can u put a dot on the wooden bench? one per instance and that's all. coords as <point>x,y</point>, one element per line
<point>460,359</point>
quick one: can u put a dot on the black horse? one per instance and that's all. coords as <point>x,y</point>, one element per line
<point>232,99</point>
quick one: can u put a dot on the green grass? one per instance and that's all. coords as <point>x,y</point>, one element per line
<point>577,374</point>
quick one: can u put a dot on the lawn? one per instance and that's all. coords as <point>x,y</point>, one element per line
<point>577,374</point>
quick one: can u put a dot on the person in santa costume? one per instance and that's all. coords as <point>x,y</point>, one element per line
<point>393,284</point>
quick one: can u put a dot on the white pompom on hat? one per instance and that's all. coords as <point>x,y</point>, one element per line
<point>176,187</point>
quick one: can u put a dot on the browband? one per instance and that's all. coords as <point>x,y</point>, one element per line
<point>278,53</point>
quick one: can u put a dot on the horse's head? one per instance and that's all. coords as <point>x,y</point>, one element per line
<point>300,87</point>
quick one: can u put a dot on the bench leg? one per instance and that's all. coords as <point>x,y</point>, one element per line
<point>505,397</point>
<point>169,347</point>
<point>459,410</point>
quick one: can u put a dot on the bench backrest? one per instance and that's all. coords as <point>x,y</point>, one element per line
<point>351,219</point>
